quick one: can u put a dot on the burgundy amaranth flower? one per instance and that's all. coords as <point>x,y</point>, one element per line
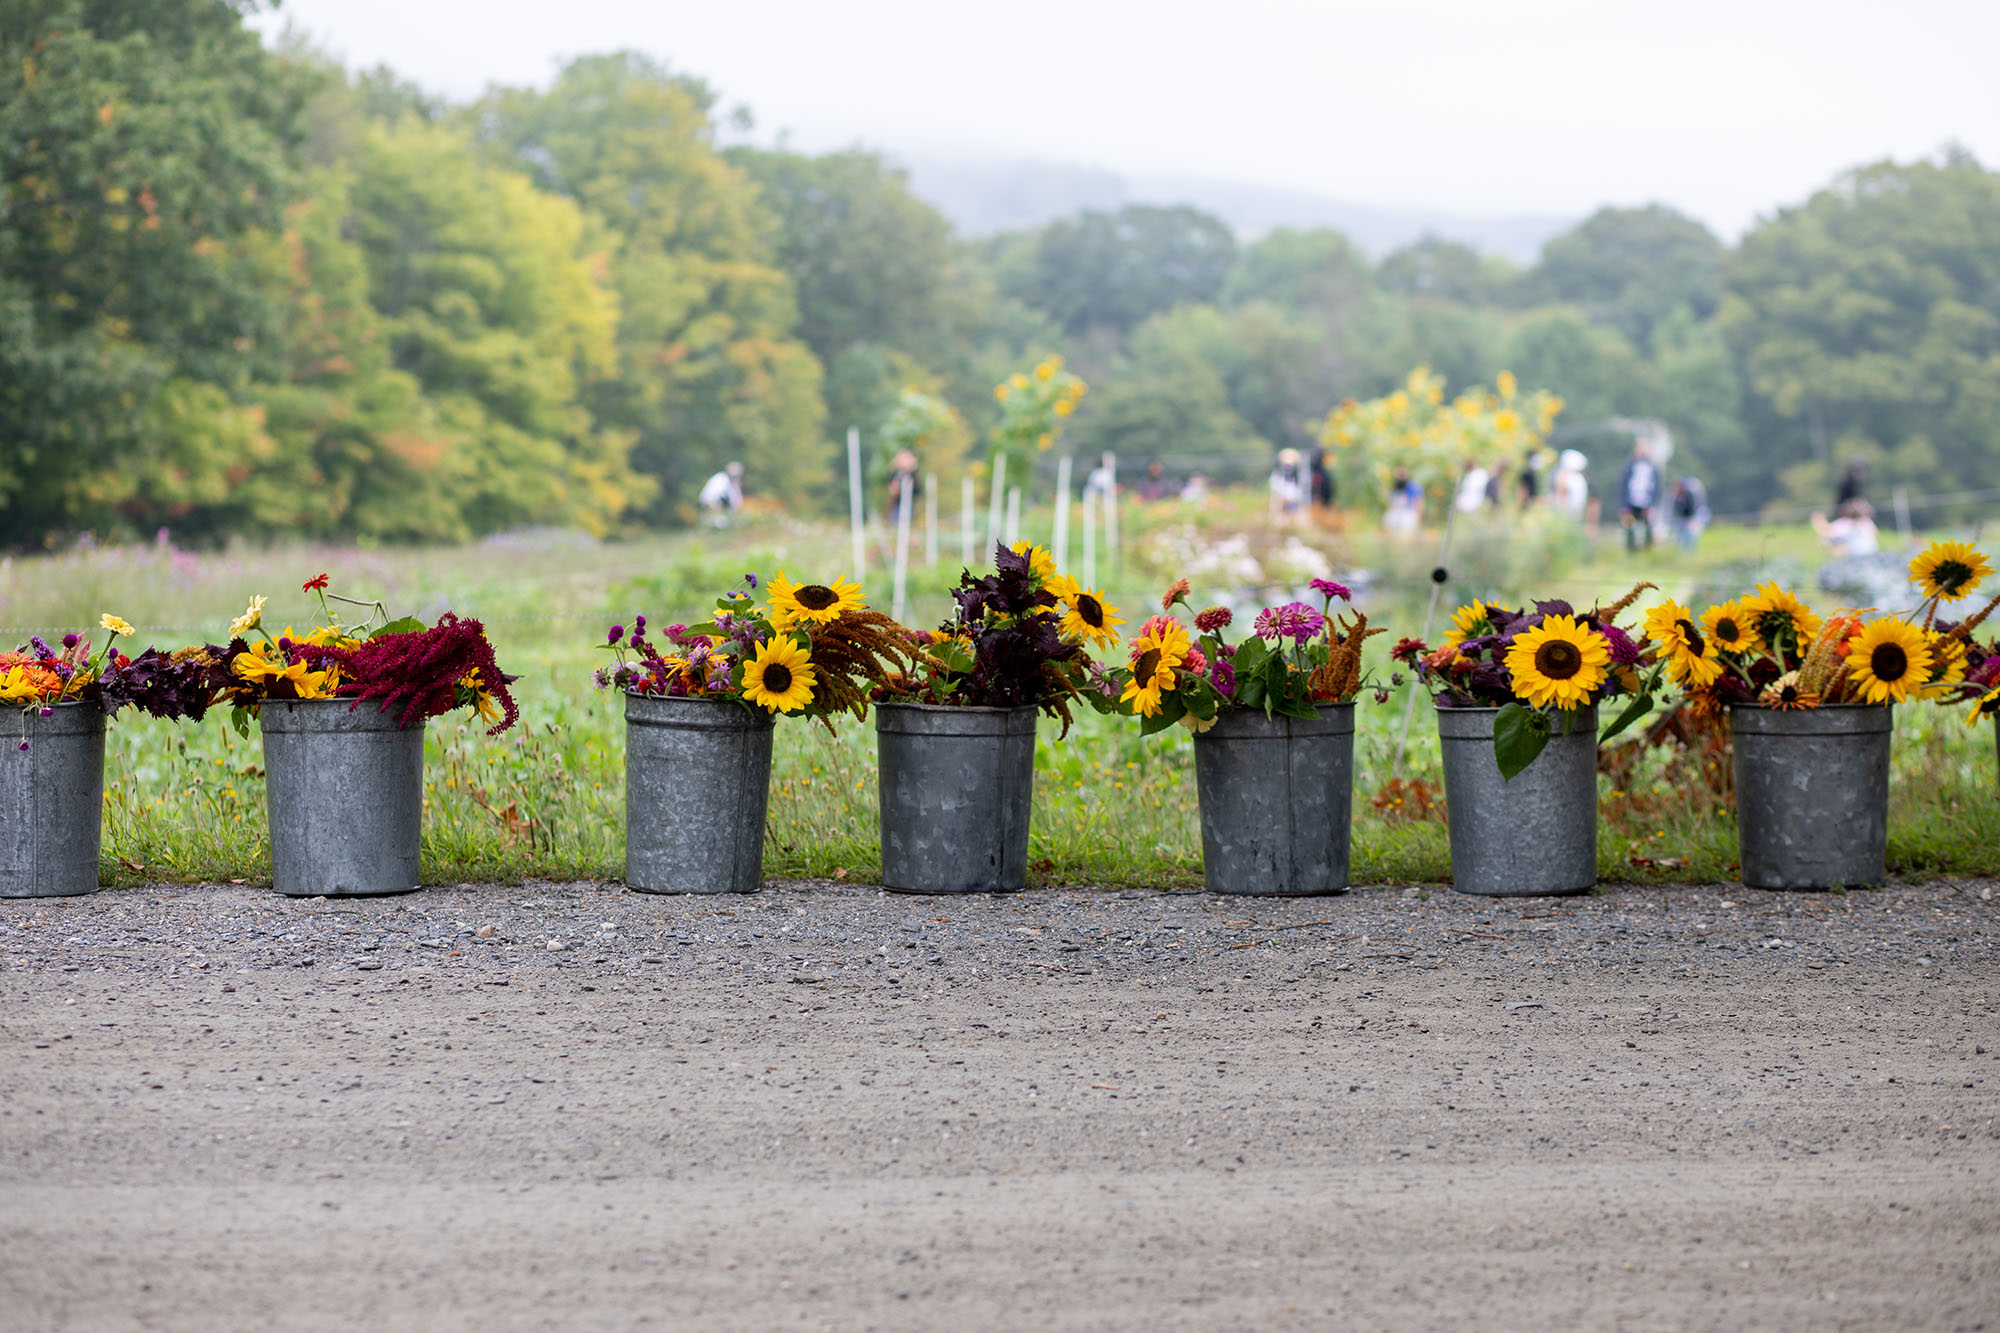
<point>1211,619</point>
<point>1328,588</point>
<point>1624,652</point>
<point>1293,620</point>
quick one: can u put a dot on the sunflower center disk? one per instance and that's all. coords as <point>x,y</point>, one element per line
<point>816,597</point>
<point>1147,665</point>
<point>1090,611</point>
<point>1558,661</point>
<point>1889,663</point>
<point>1695,643</point>
<point>1950,576</point>
<point>777,679</point>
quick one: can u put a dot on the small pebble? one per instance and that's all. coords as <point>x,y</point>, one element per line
<point>555,946</point>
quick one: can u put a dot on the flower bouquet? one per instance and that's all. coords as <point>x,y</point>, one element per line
<point>1516,694</point>
<point>956,736</point>
<point>1273,718</point>
<point>52,792</point>
<point>701,702</point>
<point>344,783</point>
<point>1809,705</point>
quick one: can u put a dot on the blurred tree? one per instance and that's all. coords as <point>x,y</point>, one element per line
<point>1630,268</point>
<point>1112,270</point>
<point>708,368</point>
<point>1318,271</point>
<point>1393,333</point>
<point>138,142</point>
<point>1276,368</point>
<point>1595,370</point>
<point>1871,316</point>
<point>1447,271</point>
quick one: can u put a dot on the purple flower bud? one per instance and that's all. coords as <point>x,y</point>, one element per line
<point>750,579</point>
<point>617,633</point>
<point>24,745</point>
<point>47,711</point>
<point>69,640</point>
<point>638,626</point>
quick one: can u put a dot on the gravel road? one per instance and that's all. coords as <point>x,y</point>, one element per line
<point>570,1106</point>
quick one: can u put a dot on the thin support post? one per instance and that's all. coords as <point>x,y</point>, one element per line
<point>968,534</point>
<point>1013,515</point>
<point>930,521</point>
<point>1430,614</point>
<point>902,550</point>
<point>1089,517</point>
<point>1061,547</point>
<point>994,502</point>
<point>854,502</point>
<point>1111,511</point>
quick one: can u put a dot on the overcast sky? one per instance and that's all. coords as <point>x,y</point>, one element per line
<point>1724,110</point>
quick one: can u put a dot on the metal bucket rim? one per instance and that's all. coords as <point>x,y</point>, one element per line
<point>71,717</point>
<point>914,719</point>
<point>695,714</point>
<point>1478,723</point>
<point>1831,720</point>
<point>313,714</point>
<point>1252,724</point>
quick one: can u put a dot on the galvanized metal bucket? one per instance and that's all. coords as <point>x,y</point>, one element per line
<point>957,785</point>
<point>345,791</point>
<point>1277,797</point>
<point>697,786</point>
<point>51,800</point>
<point>1536,834</point>
<point>1812,794</point>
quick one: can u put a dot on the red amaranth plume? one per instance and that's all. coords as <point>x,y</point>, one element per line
<point>421,670</point>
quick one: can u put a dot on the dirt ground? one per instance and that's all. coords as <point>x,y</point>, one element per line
<point>570,1106</point>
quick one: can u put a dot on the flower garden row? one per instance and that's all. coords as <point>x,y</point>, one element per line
<point>342,710</point>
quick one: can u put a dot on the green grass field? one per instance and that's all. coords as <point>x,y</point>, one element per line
<point>1112,808</point>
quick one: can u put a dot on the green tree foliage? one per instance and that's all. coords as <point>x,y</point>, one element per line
<point>1316,271</point>
<point>1447,271</point>
<point>138,143</point>
<point>1630,268</point>
<point>708,369</point>
<point>1873,314</point>
<point>1113,270</point>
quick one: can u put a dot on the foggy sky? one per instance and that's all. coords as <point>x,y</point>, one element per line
<point>1723,110</point>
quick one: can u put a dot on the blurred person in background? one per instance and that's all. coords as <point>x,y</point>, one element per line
<point>1853,483</point>
<point>1638,497</point>
<point>1569,490</point>
<point>1472,488</point>
<point>902,480</point>
<point>1322,479</point>
<point>1528,485</point>
<point>1406,505</point>
<point>1155,486</point>
<point>1687,511</point>
<point>1196,490</point>
<point>722,495</point>
<point>1852,531</point>
<point>1290,485</point>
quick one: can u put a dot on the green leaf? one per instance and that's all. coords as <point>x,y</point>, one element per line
<point>405,625</point>
<point>1519,735</point>
<point>1642,704</point>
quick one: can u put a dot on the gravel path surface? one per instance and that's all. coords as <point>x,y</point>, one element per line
<point>570,1106</point>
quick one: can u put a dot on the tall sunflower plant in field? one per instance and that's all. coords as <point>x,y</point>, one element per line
<point>1416,429</point>
<point>1769,649</point>
<point>1541,666</point>
<point>812,650</point>
<point>1035,405</point>
<point>1022,635</point>
<point>1295,658</point>
<point>395,663</point>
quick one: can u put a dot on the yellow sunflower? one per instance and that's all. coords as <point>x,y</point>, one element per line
<point>280,679</point>
<point>1786,694</point>
<point>1691,656</point>
<point>1731,628</point>
<point>1887,660</point>
<point>812,603</point>
<point>1559,661</point>
<point>1468,622</point>
<point>1776,611</point>
<point>1947,662</point>
<point>1041,565</point>
<point>781,676</point>
<point>1086,615</point>
<point>1985,706</point>
<point>1949,570</point>
<point>1155,654</point>
<point>484,702</point>
<point>252,618</point>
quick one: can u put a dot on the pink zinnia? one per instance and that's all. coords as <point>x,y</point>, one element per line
<point>1293,620</point>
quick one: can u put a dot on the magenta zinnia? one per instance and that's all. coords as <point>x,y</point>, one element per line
<point>1293,620</point>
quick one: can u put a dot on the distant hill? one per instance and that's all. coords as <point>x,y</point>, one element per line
<point>981,197</point>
